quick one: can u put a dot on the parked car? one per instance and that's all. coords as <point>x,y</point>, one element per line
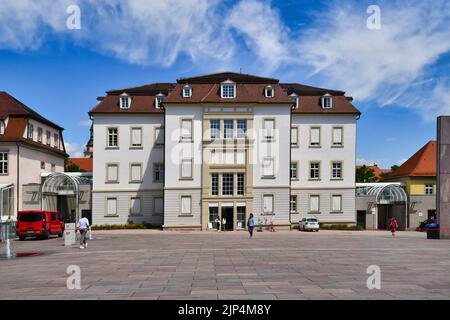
<point>38,223</point>
<point>309,224</point>
<point>423,225</point>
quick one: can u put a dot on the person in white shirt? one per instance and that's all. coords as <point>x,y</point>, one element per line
<point>83,227</point>
<point>224,222</point>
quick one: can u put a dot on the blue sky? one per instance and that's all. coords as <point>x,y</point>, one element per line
<point>398,74</point>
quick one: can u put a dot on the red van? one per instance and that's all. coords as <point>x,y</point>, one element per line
<point>38,223</point>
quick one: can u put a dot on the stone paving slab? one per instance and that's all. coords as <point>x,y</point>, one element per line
<point>156,265</point>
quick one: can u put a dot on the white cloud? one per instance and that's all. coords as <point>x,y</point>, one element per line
<point>74,150</point>
<point>85,123</point>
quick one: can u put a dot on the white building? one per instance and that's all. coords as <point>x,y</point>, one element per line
<point>29,146</point>
<point>234,144</point>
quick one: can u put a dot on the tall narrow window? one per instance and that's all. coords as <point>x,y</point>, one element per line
<point>268,167</point>
<point>186,169</point>
<point>125,101</point>
<point>2,127</point>
<point>315,136</point>
<point>240,184</point>
<point>187,91</point>
<point>327,101</point>
<point>293,204</point>
<point>136,172</point>
<point>336,203</point>
<point>112,173</point>
<point>214,129</point>
<point>159,100</point>
<point>314,170</point>
<point>40,135</point>
<point>158,172</point>
<point>268,204</point>
<point>111,206</point>
<point>241,129</point>
<point>48,138</point>
<point>228,129</point>
<point>227,184</point>
<point>136,206</point>
<point>186,205</point>
<point>269,126</point>
<point>228,89</point>
<point>294,171</point>
<point>337,136</point>
<point>215,184</point>
<point>30,130</point>
<point>159,137</point>
<point>269,92</point>
<point>136,137</point>
<point>314,203</point>
<point>3,162</point>
<point>336,168</point>
<point>113,137</point>
<point>186,129</point>
<point>294,136</point>
<point>56,138</point>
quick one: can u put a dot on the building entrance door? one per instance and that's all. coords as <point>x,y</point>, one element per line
<point>361,219</point>
<point>228,214</point>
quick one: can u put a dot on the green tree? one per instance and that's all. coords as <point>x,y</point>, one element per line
<point>394,167</point>
<point>364,174</point>
<point>71,167</point>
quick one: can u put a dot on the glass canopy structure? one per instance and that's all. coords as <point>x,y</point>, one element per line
<point>384,193</point>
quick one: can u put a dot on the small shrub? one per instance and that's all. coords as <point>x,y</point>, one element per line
<point>142,225</point>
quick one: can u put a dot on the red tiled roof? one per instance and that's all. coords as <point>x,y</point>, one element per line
<point>82,163</point>
<point>421,164</point>
<point>377,171</point>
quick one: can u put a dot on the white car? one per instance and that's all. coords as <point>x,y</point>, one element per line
<point>309,224</point>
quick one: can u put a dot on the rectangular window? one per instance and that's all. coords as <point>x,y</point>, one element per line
<point>294,171</point>
<point>229,156</point>
<point>186,129</point>
<point>269,126</point>
<point>3,162</point>
<point>2,127</point>
<point>294,136</point>
<point>429,189</point>
<point>159,137</point>
<point>136,172</point>
<point>214,129</point>
<point>240,156</point>
<point>337,136</point>
<point>240,184</point>
<point>40,135</point>
<point>315,136</point>
<point>227,184</point>
<point>186,168</point>
<point>56,138</point>
<point>42,165</point>
<point>158,172</point>
<point>136,206</point>
<point>314,172</point>
<point>30,132</point>
<point>111,206</point>
<point>241,129</point>
<point>112,173</point>
<point>48,138</point>
<point>336,203</point>
<point>215,184</point>
<point>213,214</point>
<point>268,204</point>
<point>268,167</point>
<point>158,205</point>
<point>228,129</point>
<point>293,204</point>
<point>314,205</point>
<point>228,91</point>
<point>113,137</point>
<point>240,216</point>
<point>186,205</point>
<point>336,168</point>
<point>136,137</point>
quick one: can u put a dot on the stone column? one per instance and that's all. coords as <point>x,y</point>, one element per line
<point>443,176</point>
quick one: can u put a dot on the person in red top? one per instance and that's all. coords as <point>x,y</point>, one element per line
<point>393,226</point>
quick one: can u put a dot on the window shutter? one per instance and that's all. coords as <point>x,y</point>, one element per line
<point>112,206</point>
<point>315,135</point>
<point>112,173</point>
<point>337,205</point>
<point>337,135</point>
<point>314,203</point>
<point>186,205</point>
<point>294,136</point>
<point>136,137</point>
<point>136,172</point>
<point>268,204</point>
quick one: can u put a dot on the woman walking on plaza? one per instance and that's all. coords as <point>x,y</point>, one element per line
<point>251,225</point>
<point>393,226</point>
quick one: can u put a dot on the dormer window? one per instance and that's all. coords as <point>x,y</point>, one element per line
<point>327,101</point>
<point>187,91</point>
<point>228,89</point>
<point>125,101</point>
<point>295,100</point>
<point>269,92</point>
<point>2,127</point>
<point>159,100</point>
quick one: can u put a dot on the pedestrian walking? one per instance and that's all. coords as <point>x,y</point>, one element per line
<point>83,226</point>
<point>217,221</point>
<point>393,226</point>
<point>224,222</point>
<point>251,225</point>
<point>271,225</point>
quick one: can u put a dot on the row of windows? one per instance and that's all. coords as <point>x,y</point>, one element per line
<point>314,203</point>
<point>4,164</point>
<point>125,101</point>
<point>135,206</point>
<point>136,137</point>
<point>135,172</point>
<point>228,131</point>
<point>315,136</point>
<point>315,172</point>
<point>30,135</point>
<point>227,184</point>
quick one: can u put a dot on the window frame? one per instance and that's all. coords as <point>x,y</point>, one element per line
<point>2,127</point>
<point>227,84</point>
<point>112,164</point>
<point>214,130</point>
<point>319,144</point>
<point>122,98</point>
<point>264,175</point>
<point>162,131</point>
<point>183,137</point>
<point>291,209</point>
<point>183,196</point>
<point>266,91</point>
<point>333,162</point>
<point>134,164</point>
<point>154,206</point>
<point>215,191</point>
<point>156,165</point>
<point>4,163</point>
<point>318,169</point>
<point>140,146</point>
<point>140,213</point>
<point>189,89</point>
<point>227,187</point>
<point>427,189</point>
<point>239,133</point>
<point>310,210</point>
<point>296,144</point>
<point>108,146</point>
<point>228,130</point>
<point>332,210</point>
<point>240,186</point>
<point>182,177</point>
<point>267,137</point>
<point>30,131</point>
<point>270,195</point>
<point>107,214</point>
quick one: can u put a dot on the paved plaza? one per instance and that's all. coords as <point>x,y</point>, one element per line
<point>150,264</point>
